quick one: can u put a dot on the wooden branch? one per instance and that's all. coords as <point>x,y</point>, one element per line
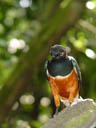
<point>51,32</point>
<point>88,26</point>
<point>80,115</point>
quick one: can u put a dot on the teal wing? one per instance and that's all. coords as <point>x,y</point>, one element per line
<point>77,69</point>
<point>46,64</point>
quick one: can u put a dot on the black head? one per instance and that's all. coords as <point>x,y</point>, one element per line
<point>58,51</point>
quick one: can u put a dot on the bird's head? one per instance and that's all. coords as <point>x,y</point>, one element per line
<point>58,51</point>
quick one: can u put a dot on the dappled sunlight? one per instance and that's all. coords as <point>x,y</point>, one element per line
<point>15,106</point>
<point>22,124</point>
<point>27,99</point>
<point>90,5</point>
<point>45,101</point>
<point>25,3</point>
<point>43,118</point>
<point>14,59</point>
<point>15,44</point>
<point>90,53</point>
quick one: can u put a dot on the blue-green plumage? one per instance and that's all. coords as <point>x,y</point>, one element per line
<point>61,67</point>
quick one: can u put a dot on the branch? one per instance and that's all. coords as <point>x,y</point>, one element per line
<point>88,26</point>
<point>80,115</point>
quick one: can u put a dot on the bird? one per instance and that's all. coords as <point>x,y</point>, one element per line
<point>64,76</point>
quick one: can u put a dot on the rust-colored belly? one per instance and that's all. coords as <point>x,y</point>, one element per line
<point>64,86</point>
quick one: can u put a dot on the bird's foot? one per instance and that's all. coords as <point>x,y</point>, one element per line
<point>76,100</point>
<point>56,112</point>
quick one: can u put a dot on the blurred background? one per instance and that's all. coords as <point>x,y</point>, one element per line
<point>28,28</point>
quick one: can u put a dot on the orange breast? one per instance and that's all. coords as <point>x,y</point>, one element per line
<point>64,86</point>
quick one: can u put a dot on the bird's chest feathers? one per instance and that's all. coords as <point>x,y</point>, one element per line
<point>63,85</point>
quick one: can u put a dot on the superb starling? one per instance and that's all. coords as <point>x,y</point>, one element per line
<point>64,76</point>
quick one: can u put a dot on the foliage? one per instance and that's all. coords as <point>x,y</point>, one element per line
<point>20,21</point>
